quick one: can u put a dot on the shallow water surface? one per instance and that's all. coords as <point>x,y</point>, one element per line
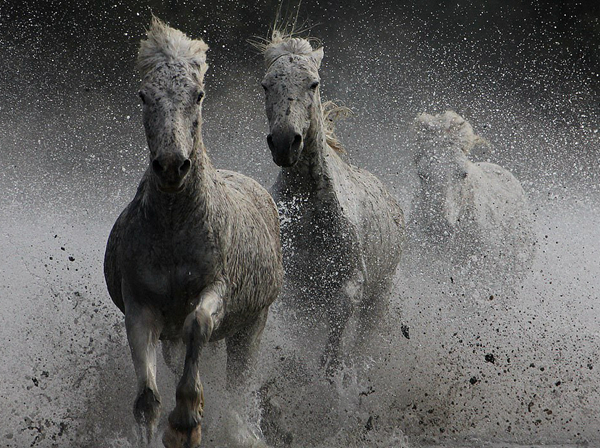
<point>520,368</point>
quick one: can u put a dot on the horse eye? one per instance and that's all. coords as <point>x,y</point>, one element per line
<point>314,85</point>
<point>200,96</point>
<point>142,97</point>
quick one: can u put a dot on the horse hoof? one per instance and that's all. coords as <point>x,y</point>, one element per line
<point>188,438</point>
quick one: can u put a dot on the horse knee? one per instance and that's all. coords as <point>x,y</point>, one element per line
<point>198,327</point>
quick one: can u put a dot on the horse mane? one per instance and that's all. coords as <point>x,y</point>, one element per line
<point>165,44</point>
<point>450,124</point>
<point>331,113</point>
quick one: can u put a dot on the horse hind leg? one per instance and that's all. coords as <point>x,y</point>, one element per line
<point>142,333</point>
<point>174,354</point>
<point>242,349</point>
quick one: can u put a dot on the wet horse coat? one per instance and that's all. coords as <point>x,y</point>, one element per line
<point>196,256</point>
<point>342,231</point>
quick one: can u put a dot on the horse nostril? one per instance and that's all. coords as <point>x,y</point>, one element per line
<point>156,166</point>
<point>185,167</point>
<point>270,141</point>
<point>297,141</point>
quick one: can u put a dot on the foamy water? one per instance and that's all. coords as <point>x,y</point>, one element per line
<point>475,371</point>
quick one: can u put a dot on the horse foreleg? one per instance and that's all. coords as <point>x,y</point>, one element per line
<point>341,307</point>
<point>143,329</point>
<point>242,353</point>
<point>184,421</point>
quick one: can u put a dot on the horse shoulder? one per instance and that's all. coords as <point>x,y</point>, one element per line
<point>368,190</point>
<point>371,203</point>
<point>498,190</point>
<point>499,208</point>
<point>112,262</point>
<point>375,217</point>
<point>254,248</point>
<point>344,186</point>
<point>255,195</point>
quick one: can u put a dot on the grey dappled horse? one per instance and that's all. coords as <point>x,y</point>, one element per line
<point>342,231</point>
<point>196,256</point>
<point>474,217</point>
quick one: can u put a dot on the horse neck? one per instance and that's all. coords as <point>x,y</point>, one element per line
<point>310,172</point>
<point>438,197</point>
<point>192,203</point>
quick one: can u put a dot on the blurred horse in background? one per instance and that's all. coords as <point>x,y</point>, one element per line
<point>473,219</point>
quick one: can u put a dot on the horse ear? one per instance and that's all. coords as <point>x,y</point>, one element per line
<point>424,123</point>
<point>317,56</point>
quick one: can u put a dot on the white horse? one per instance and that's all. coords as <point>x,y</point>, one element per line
<point>342,231</point>
<point>196,256</point>
<point>473,216</point>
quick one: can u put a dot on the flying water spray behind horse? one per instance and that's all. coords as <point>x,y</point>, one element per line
<point>196,256</point>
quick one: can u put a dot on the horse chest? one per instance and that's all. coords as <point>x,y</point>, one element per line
<point>172,271</point>
<point>319,244</point>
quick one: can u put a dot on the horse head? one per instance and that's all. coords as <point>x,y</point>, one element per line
<point>291,95</point>
<point>442,144</point>
<point>172,90</point>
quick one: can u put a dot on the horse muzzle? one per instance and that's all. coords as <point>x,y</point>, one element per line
<point>171,171</point>
<point>285,149</point>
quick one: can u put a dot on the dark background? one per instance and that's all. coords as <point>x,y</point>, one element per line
<point>98,39</point>
<point>526,74</point>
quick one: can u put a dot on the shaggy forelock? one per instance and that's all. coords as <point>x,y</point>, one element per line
<point>164,44</point>
<point>282,44</point>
